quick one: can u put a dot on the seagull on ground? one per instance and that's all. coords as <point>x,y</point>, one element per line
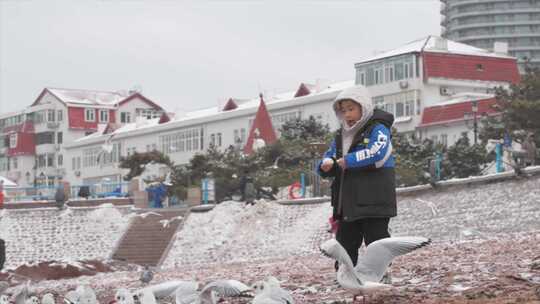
<point>145,296</point>
<point>4,299</point>
<point>365,277</point>
<point>48,298</point>
<point>87,295</point>
<point>270,292</point>
<point>123,296</point>
<point>32,300</point>
<point>147,275</point>
<point>209,293</point>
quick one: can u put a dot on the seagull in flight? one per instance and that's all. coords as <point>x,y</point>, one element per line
<point>365,277</point>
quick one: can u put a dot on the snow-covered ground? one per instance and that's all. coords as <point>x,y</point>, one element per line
<point>486,248</point>
<point>36,235</point>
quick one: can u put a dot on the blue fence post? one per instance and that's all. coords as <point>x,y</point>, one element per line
<point>303,184</point>
<point>498,157</point>
<point>205,190</point>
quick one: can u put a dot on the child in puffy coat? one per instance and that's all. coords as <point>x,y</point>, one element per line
<point>361,162</point>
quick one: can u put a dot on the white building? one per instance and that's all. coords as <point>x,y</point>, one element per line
<point>193,133</point>
<point>32,150</point>
<point>431,84</point>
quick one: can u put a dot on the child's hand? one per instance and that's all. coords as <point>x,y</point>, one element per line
<point>341,162</point>
<point>327,164</point>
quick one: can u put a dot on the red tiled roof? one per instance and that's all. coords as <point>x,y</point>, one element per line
<point>263,123</point>
<point>230,105</point>
<point>303,90</point>
<point>453,66</point>
<point>143,98</point>
<point>164,118</point>
<point>455,112</point>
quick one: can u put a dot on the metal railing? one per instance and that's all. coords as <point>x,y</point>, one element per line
<point>46,193</point>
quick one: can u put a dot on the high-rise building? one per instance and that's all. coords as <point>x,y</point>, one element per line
<point>481,23</point>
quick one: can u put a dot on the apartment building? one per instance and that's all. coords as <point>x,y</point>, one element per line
<point>32,147</point>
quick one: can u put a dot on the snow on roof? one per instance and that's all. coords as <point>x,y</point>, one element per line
<point>141,124</point>
<point>88,96</point>
<point>216,111</point>
<point>463,97</point>
<point>434,44</point>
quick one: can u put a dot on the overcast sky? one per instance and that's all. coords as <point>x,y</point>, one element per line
<point>188,55</point>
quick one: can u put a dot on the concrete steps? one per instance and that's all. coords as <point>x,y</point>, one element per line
<point>149,236</point>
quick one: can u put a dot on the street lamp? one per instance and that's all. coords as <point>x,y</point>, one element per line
<point>475,122</point>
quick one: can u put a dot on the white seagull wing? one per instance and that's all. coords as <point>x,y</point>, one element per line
<point>379,254</point>
<point>187,293</point>
<point>226,288</point>
<point>163,289</point>
<point>274,294</point>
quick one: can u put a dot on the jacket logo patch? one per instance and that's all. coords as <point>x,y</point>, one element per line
<point>375,149</point>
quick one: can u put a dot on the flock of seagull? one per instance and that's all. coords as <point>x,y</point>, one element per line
<point>361,280</point>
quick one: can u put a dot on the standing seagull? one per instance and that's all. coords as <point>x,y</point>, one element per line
<point>145,296</point>
<point>367,274</point>
<point>4,299</point>
<point>147,275</point>
<point>123,296</point>
<point>48,298</point>
<point>270,292</point>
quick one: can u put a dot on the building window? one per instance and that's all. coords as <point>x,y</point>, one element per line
<point>13,140</point>
<point>59,115</point>
<point>41,161</point>
<point>243,135</point>
<point>182,141</point>
<point>104,115</point>
<point>444,139</point>
<point>212,139</point>
<point>50,115</point>
<point>125,117</point>
<point>59,138</point>
<point>15,163</point>
<point>90,157</point>
<point>218,139</point>
<point>409,108</point>
<point>398,71</point>
<point>148,113</point>
<point>406,70</point>
<point>3,164</point>
<point>400,109</point>
<point>389,107</point>
<point>89,115</point>
<point>43,138</point>
<point>60,160</point>
<point>50,160</point>
<point>112,157</point>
